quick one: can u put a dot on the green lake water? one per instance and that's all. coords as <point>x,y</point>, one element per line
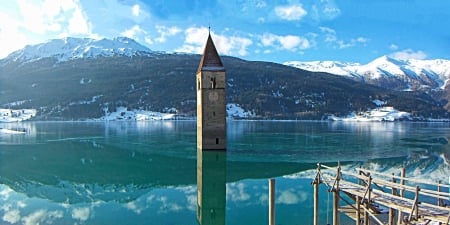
<point>147,172</point>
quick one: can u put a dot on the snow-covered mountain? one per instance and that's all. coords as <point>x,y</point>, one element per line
<point>74,48</point>
<point>385,71</point>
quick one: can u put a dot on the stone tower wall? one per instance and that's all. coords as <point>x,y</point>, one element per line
<point>211,110</point>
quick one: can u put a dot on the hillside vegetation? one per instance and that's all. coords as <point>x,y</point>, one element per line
<point>85,88</point>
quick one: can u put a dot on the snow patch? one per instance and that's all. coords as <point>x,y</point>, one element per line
<point>379,102</point>
<point>16,103</point>
<point>236,111</point>
<point>93,100</point>
<point>85,81</point>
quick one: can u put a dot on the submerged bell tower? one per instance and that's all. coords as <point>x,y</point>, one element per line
<point>211,100</point>
<point>211,138</point>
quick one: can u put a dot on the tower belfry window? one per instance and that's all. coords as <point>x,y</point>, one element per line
<point>213,82</point>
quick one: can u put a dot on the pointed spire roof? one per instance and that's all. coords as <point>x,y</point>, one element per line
<point>210,59</point>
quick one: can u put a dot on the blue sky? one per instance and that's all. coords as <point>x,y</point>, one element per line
<point>277,31</point>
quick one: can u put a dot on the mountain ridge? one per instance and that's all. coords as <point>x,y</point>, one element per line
<point>73,48</point>
<point>409,74</point>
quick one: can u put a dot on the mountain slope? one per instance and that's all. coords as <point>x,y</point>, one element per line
<point>86,87</point>
<point>388,72</point>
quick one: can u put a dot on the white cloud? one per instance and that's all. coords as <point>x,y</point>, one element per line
<point>5,192</point>
<point>324,10</point>
<point>261,4</point>
<point>289,197</point>
<point>361,40</point>
<point>288,42</point>
<point>35,217</point>
<point>331,38</point>
<point>408,54</point>
<point>236,192</point>
<point>29,22</point>
<point>81,214</point>
<point>167,206</point>
<point>165,32</point>
<point>352,42</point>
<point>42,217</point>
<point>112,14</point>
<point>134,32</point>
<point>54,16</point>
<point>293,42</point>
<point>393,47</point>
<point>78,23</point>
<point>233,45</point>
<point>195,40</point>
<point>290,12</point>
<point>39,18</point>
<point>148,40</point>
<point>136,10</point>
<point>329,9</point>
<point>137,33</point>
<point>191,202</point>
<point>136,208</point>
<point>12,216</point>
<point>330,34</point>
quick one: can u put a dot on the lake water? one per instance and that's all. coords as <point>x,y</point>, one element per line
<point>147,172</point>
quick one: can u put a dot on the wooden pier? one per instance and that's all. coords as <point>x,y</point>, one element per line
<point>370,197</point>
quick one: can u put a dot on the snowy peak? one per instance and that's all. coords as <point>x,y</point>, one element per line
<point>74,48</point>
<point>409,74</point>
<point>334,67</point>
<point>381,67</point>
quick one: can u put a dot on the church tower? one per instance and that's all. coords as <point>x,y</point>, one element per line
<point>211,101</point>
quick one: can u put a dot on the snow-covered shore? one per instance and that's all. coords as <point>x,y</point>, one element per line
<point>11,115</point>
<point>379,114</point>
<point>386,113</point>
<point>234,111</point>
<point>124,114</point>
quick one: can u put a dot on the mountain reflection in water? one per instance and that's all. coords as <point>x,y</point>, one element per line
<point>97,173</point>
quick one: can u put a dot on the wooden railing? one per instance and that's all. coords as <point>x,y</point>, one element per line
<point>417,199</point>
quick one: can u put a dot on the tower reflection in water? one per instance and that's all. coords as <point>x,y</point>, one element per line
<point>211,187</point>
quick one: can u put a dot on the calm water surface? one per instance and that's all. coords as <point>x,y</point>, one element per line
<point>147,172</point>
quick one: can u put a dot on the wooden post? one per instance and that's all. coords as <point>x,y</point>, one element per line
<point>360,181</point>
<point>417,202</point>
<point>439,202</point>
<point>358,210</point>
<point>402,191</point>
<point>271,201</point>
<point>367,203</point>
<point>336,207</point>
<point>415,207</point>
<point>316,196</point>
<point>391,210</point>
<point>336,196</point>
